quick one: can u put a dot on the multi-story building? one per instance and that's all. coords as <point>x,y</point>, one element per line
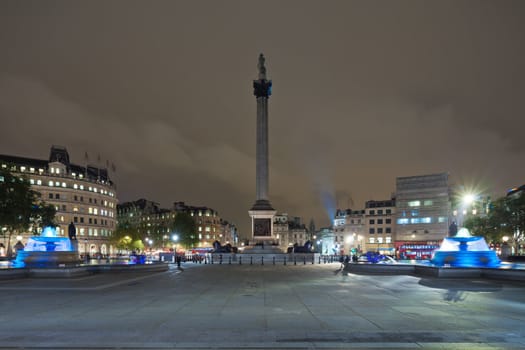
<point>349,231</point>
<point>209,224</point>
<point>281,231</point>
<point>156,224</point>
<point>422,211</point>
<point>153,222</point>
<point>290,231</point>
<point>83,195</point>
<point>380,226</point>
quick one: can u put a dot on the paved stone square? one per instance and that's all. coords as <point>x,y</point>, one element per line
<point>256,307</point>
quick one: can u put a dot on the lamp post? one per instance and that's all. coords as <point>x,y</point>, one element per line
<point>85,249</point>
<point>175,239</point>
<point>150,243</point>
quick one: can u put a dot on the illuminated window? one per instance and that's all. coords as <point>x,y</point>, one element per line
<point>81,187</point>
<point>75,186</point>
<point>90,210</point>
<point>63,184</point>
<point>388,239</point>
<point>414,203</point>
<point>200,228</point>
<point>22,168</point>
<point>207,213</point>
<point>58,171</point>
<point>82,231</point>
<point>442,219</point>
<point>371,240</point>
<point>208,229</point>
<point>379,239</point>
<point>402,221</point>
<point>57,183</point>
<point>32,170</point>
<point>95,211</point>
<point>428,202</point>
<point>39,182</point>
<point>32,181</point>
<point>52,170</point>
<point>50,183</point>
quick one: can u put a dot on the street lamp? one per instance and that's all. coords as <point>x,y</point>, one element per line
<point>175,239</point>
<point>85,249</point>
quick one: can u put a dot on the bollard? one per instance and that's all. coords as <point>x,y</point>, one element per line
<point>220,259</point>
<point>251,260</point>
<point>304,260</point>
<point>211,259</point>
<point>240,260</point>
<point>319,260</point>
<point>285,260</point>
<point>273,260</point>
<point>295,260</point>
<point>313,260</point>
<point>262,260</point>
<point>229,260</point>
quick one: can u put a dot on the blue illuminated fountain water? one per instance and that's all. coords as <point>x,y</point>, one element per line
<point>48,250</point>
<point>464,250</point>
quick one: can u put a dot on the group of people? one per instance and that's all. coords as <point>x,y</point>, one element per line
<point>345,260</point>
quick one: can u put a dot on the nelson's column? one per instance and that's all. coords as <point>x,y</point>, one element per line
<point>262,213</point>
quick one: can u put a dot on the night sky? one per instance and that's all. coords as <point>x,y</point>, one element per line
<point>363,92</point>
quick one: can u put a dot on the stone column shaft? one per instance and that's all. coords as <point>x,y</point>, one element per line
<point>262,170</point>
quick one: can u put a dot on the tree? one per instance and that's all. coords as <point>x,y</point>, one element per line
<point>506,217</point>
<point>127,236</point>
<point>43,216</point>
<point>17,200</point>
<point>184,226</point>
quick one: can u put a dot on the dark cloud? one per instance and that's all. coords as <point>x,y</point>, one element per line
<point>364,91</point>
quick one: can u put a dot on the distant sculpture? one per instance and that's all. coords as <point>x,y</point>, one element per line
<point>217,248</point>
<point>72,232</point>
<point>307,248</point>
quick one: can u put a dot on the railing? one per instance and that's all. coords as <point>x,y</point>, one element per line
<point>258,259</point>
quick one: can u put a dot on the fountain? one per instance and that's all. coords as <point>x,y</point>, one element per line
<point>464,250</point>
<point>48,250</point>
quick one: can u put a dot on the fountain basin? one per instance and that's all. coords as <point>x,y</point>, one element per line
<point>46,259</point>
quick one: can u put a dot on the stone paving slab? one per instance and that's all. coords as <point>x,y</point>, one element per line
<point>260,307</point>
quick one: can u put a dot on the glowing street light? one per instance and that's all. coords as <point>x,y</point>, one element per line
<point>468,198</point>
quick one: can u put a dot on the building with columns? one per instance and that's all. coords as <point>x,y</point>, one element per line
<point>81,194</point>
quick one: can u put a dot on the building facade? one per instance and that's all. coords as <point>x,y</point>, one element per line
<point>380,224</point>
<point>349,234</point>
<point>422,214</point>
<point>83,195</point>
<point>155,224</point>
<point>152,222</point>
